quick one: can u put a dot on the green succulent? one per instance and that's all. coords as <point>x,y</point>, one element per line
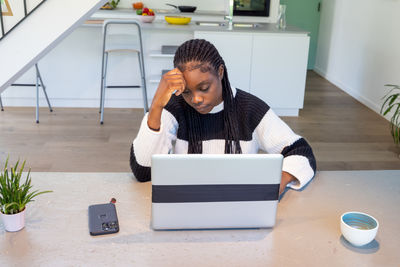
<point>14,194</point>
<point>392,103</point>
<point>114,3</point>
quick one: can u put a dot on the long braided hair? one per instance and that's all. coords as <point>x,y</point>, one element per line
<point>205,53</point>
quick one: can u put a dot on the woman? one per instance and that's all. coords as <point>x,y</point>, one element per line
<point>196,107</point>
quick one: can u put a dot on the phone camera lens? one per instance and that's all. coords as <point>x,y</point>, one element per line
<point>105,226</point>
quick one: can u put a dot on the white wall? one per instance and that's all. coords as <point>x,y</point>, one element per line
<point>359,47</point>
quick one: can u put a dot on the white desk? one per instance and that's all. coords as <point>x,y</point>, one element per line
<point>307,231</point>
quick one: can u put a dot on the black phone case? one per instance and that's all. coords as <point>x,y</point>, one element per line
<point>103,219</point>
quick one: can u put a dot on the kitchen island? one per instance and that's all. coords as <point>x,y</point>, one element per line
<point>268,62</point>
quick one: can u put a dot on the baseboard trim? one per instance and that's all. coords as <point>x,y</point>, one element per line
<point>347,89</point>
<point>110,103</point>
<point>73,102</point>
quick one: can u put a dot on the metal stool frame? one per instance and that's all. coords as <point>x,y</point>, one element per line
<point>105,62</point>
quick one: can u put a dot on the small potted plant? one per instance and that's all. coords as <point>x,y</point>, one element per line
<point>392,103</point>
<point>110,4</point>
<point>14,195</point>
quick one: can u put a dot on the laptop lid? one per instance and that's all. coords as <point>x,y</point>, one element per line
<point>212,191</point>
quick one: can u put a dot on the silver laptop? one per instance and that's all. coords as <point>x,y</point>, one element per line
<point>210,191</point>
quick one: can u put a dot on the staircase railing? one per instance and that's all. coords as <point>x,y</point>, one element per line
<point>26,14</point>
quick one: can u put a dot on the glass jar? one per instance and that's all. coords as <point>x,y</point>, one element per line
<point>281,23</point>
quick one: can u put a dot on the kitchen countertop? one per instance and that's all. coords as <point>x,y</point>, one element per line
<point>307,230</point>
<point>160,24</point>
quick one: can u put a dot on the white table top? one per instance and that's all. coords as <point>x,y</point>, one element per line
<point>307,231</point>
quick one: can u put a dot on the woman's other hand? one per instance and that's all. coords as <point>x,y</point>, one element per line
<point>286,179</point>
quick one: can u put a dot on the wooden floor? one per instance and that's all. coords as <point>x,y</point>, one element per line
<point>344,134</point>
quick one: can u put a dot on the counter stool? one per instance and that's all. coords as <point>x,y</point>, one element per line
<point>125,41</point>
<point>39,83</point>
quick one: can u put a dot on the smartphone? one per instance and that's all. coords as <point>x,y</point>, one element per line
<point>103,219</point>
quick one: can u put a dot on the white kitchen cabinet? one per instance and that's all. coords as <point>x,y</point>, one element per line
<point>278,73</point>
<point>235,49</point>
<point>271,66</point>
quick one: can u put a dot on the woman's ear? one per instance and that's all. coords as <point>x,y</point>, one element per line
<point>221,72</point>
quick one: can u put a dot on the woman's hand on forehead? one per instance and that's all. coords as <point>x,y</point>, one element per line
<point>176,81</point>
<point>171,83</point>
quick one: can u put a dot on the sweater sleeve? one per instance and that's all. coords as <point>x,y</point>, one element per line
<point>275,136</point>
<point>149,142</point>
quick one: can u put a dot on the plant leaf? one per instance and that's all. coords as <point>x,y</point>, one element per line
<point>393,85</point>
<point>387,111</point>
<point>393,99</point>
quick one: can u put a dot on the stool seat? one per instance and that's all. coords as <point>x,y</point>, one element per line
<point>118,48</point>
<point>123,38</point>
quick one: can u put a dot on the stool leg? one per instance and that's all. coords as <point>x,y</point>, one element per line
<point>102,81</point>
<point>143,79</point>
<point>103,90</point>
<point>43,88</point>
<point>37,97</point>
<point>102,66</point>
<point>1,105</point>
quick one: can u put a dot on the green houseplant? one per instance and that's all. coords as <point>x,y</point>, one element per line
<point>392,103</point>
<point>14,195</point>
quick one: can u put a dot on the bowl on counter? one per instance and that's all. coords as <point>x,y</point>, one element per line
<point>358,228</point>
<point>178,20</point>
<point>147,19</point>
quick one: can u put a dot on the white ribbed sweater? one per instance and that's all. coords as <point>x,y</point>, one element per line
<point>262,130</point>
